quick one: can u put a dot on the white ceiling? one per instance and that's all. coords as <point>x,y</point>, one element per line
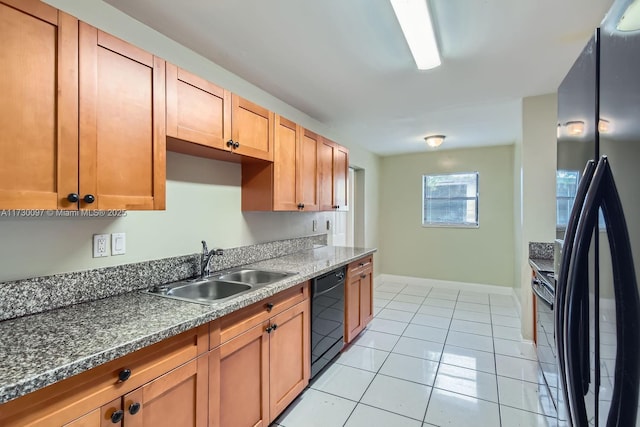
<point>346,63</point>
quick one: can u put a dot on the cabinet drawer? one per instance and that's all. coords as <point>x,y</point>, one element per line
<point>236,323</point>
<point>73,397</point>
<point>361,266</point>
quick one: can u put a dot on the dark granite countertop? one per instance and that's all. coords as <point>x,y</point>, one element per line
<point>41,349</point>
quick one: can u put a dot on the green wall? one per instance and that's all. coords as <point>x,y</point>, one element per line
<point>475,255</point>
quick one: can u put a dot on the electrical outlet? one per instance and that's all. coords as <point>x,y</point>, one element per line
<point>100,245</point>
<point>315,225</point>
<point>118,244</point>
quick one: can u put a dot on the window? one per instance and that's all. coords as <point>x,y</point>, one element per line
<point>450,200</point>
<point>566,188</point>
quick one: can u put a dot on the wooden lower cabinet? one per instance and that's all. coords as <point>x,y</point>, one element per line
<point>241,370</point>
<point>255,375</point>
<point>358,297</point>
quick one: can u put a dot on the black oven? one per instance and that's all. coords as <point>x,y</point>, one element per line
<point>543,287</point>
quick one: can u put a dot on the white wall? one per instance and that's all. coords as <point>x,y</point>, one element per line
<point>473,255</point>
<point>203,196</point>
<point>537,163</point>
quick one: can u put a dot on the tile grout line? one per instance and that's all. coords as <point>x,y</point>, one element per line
<point>435,377</point>
<point>495,363</point>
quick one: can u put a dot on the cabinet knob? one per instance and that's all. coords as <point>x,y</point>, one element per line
<point>269,307</point>
<point>269,329</point>
<point>361,264</point>
<point>230,143</point>
<point>336,206</point>
<point>362,276</point>
<point>134,408</point>
<point>124,375</point>
<point>274,327</point>
<point>89,198</point>
<point>117,416</point>
<point>73,197</point>
<point>236,144</point>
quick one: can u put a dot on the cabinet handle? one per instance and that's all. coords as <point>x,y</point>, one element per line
<point>361,264</point>
<point>362,276</point>
<point>336,207</point>
<point>73,197</point>
<point>269,307</point>
<point>124,375</point>
<point>230,143</point>
<point>300,206</point>
<point>269,329</point>
<point>89,198</point>
<point>236,144</point>
<point>134,408</point>
<point>117,416</point>
<point>274,327</point>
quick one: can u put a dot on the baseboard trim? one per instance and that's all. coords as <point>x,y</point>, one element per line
<point>437,283</point>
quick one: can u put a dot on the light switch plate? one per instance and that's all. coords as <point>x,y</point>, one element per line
<point>315,225</point>
<point>100,245</point>
<point>118,244</point>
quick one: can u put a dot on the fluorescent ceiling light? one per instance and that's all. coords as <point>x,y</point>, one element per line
<point>415,21</point>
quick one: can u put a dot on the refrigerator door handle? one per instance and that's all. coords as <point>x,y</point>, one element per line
<point>565,262</point>
<point>603,193</point>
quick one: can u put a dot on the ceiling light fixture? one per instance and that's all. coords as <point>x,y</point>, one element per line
<point>434,140</point>
<point>415,21</point>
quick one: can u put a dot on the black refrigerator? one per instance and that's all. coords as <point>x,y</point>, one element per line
<point>597,315</point>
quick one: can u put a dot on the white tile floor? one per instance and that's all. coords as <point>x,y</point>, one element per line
<point>431,357</point>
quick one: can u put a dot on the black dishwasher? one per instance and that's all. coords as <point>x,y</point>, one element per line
<point>327,318</point>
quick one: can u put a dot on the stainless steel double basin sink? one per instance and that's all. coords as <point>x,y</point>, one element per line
<point>219,287</point>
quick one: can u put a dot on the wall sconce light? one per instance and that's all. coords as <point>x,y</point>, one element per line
<point>575,128</point>
<point>434,140</point>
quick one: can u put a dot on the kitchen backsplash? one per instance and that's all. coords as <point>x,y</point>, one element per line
<point>28,296</point>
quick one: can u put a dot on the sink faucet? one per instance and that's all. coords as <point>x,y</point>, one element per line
<point>205,258</point>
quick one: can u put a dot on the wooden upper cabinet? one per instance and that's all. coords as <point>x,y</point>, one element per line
<point>333,175</point>
<point>285,181</point>
<point>325,174</point>
<point>252,129</point>
<point>122,124</point>
<point>290,182</point>
<point>340,177</point>
<point>38,106</point>
<point>307,171</point>
<point>197,110</point>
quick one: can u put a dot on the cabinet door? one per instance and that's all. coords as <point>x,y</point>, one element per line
<point>289,356</point>
<point>178,398</point>
<point>122,124</point>
<point>307,171</point>
<point>366,298</point>
<point>353,319</point>
<point>243,371</point>
<point>340,177</point>
<point>325,174</point>
<point>197,110</point>
<point>287,136</point>
<point>38,106</point>
<point>252,129</point>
